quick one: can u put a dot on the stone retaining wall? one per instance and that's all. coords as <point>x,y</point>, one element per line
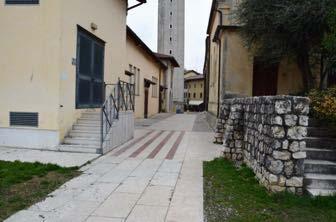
<point>267,133</point>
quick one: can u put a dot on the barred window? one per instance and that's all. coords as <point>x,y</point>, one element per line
<point>23,2</point>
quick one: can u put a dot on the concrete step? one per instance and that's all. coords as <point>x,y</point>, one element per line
<point>86,127</point>
<point>315,123</point>
<point>321,132</point>
<point>320,167</point>
<point>321,192</point>
<point>89,124</point>
<point>85,121</point>
<point>320,181</point>
<point>91,114</point>
<point>91,118</point>
<point>84,134</point>
<point>79,149</point>
<point>321,154</point>
<point>326,143</point>
<point>82,141</point>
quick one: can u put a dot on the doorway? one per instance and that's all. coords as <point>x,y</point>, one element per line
<point>146,102</point>
<point>265,79</point>
<point>90,70</point>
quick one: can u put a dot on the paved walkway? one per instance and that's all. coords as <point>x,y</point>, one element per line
<point>155,177</point>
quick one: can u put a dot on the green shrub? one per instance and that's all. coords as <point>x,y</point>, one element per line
<point>323,104</point>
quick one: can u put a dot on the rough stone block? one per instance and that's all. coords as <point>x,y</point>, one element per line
<point>301,107</point>
<point>281,155</point>
<point>277,189</point>
<point>291,120</point>
<point>283,107</point>
<point>273,179</point>
<point>282,181</point>
<point>276,166</point>
<point>277,120</point>
<point>294,146</point>
<point>303,120</point>
<point>291,190</point>
<point>285,144</point>
<point>297,132</point>
<point>289,168</point>
<point>300,155</point>
<point>295,182</point>
<point>278,132</point>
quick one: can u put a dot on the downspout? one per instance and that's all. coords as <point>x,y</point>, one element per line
<point>219,42</point>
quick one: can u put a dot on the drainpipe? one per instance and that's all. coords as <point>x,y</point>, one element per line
<point>219,42</point>
<point>137,5</point>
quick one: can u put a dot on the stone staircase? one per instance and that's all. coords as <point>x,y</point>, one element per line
<point>85,135</point>
<point>320,165</point>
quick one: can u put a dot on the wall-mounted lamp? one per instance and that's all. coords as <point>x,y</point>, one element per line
<point>94,26</point>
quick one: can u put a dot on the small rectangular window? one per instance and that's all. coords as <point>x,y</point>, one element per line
<point>22,2</point>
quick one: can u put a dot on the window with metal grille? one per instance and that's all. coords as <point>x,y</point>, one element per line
<point>23,119</point>
<point>25,2</point>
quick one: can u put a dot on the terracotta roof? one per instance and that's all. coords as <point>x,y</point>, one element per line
<point>199,77</point>
<point>139,42</point>
<point>168,57</point>
<point>189,71</point>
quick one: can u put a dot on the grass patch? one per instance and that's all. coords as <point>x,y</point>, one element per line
<point>232,194</point>
<point>23,184</point>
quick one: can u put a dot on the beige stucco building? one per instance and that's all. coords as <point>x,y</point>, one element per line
<point>231,71</point>
<point>147,72</point>
<point>193,90</point>
<point>167,83</point>
<point>55,58</point>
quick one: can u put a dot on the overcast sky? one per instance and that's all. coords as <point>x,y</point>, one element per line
<point>143,20</point>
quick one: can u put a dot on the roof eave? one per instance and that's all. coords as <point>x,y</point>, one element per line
<point>137,39</point>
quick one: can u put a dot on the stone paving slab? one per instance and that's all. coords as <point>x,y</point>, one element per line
<point>62,159</point>
<point>143,188</point>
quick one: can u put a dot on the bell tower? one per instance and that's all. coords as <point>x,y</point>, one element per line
<point>171,26</point>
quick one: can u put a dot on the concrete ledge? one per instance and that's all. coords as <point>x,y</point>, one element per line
<point>121,132</point>
<point>29,138</point>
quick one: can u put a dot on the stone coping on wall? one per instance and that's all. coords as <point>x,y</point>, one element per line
<point>267,134</point>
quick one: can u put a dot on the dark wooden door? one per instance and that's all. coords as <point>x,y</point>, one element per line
<point>146,103</point>
<point>265,79</point>
<point>90,71</point>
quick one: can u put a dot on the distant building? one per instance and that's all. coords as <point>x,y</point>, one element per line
<point>231,71</point>
<point>171,41</point>
<point>193,91</point>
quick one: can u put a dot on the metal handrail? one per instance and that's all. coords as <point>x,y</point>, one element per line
<point>121,97</point>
